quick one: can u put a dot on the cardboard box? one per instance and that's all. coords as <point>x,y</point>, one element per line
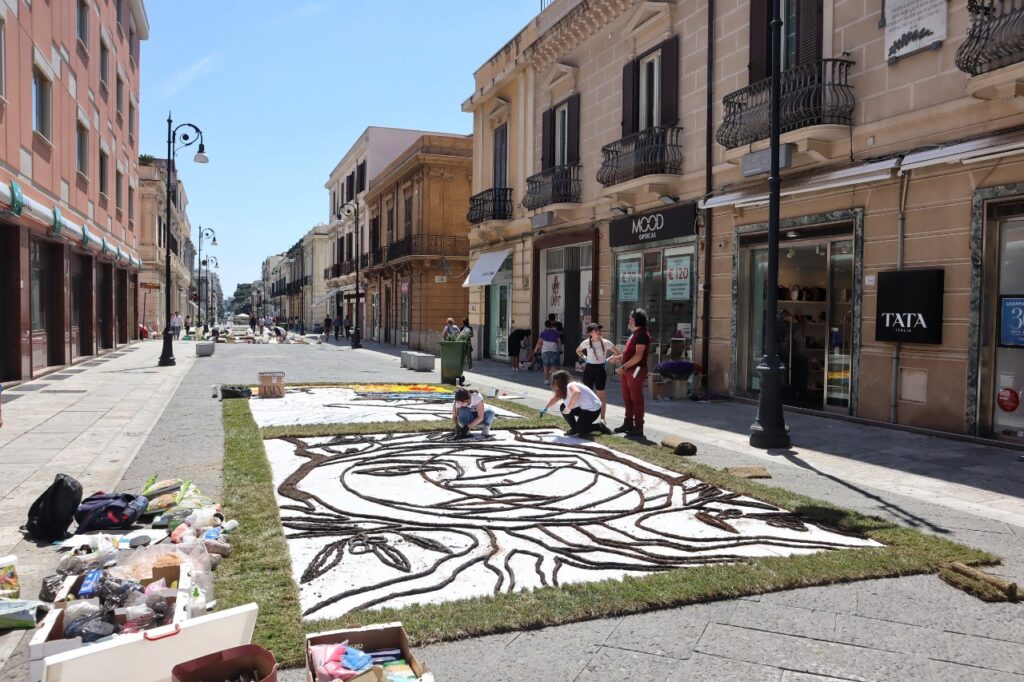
<point>271,384</point>
<point>367,638</point>
<point>171,574</point>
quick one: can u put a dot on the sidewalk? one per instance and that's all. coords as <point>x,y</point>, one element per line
<point>88,421</point>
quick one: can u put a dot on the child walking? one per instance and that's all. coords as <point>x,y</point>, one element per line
<point>469,411</point>
<point>580,406</point>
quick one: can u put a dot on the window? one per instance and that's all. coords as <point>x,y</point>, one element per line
<point>131,207</point>
<point>334,204</point>
<point>102,170</point>
<point>119,190</point>
<point>407,217</point>
<point>119,5</point>
<point>391,225</point>
<point>3,61</point>
<point>131,121</point>
<point>350,185</point>
<point>650,90</point>
<point>104,64</point>
<point>361,176</point>
<point>562,135</point>
<point>119,97</point>
<point>501,156</point>
<point>83,150</point>
<point>41,101</point>
<point>802,25</point>
<point>83,22</point>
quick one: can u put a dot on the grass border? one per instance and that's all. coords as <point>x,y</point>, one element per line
<point>260,566</point>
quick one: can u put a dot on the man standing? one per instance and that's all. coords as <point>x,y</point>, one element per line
<point>176,325</point>
<point>328,325</point>
<point>633,374</point>
<point>348,326</point>
<point>337,327</point>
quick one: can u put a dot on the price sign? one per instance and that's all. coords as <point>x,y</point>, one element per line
<point>1011,321</point>
<point>629,281</point>
<point>1008,400</point>
<point>677,278</point>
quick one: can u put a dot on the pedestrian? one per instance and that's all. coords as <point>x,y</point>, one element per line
<point>561,333</point>
<point>348,326</point>
<point>188,324</point>
<point>469,411</point>
<point>337,327</point>
<point>594,352</point>
<point>450,331</point>
<point>549,345</point>
<point>328,325</point>
<point>580,406</point>
<point>515,346</point>
<point>252,324</point>
<point>176,325</point>
<point>633,373</point>
<point>466,334</point>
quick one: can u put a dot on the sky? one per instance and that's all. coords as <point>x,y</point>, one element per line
<point>282,88</point>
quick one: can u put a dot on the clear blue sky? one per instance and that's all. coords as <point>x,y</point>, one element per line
<point>281,89</point>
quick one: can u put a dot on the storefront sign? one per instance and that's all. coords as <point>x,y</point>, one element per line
<point>671,223</point>
<point>677,278</point>
<point>912,25</point>
<point>1008,399</point>
<point>1011,321</point>
<point>629,281</point>
<point>910,306</point>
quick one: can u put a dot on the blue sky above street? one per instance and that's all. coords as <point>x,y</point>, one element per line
<point>282,89</point>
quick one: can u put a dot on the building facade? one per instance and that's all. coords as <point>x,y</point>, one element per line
<point>638,131</point>
<point>69,81</point>
<point>153,246</point>
<point>419,248</point>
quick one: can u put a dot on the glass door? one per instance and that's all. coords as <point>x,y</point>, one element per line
<point>1007,412</point>
<point>754,292</point>
<point>839,361</point>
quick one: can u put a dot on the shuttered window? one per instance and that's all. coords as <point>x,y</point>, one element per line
<point>801,36</point>
<point>501,156</point>
<point>361,176</point>
<point>560,136</point>
<point>650,89</point>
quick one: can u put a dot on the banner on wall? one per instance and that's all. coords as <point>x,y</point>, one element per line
<point>629,281</point>
<point>677,278</point>
<point>909,306</point>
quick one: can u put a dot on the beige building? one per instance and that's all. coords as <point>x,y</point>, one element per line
<point>152,246</point>
<point>420,250</point>
<point>609,155</point>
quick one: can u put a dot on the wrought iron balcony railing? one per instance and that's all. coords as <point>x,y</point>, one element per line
<point>429,245</point>
<point>995,38</point>
<point>812,94</point>
<point>346,267</point>
<point>491,204</point>
<point>652,151</point>
<point>556,185</point>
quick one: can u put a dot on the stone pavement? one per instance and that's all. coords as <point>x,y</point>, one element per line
<point>908,628</point>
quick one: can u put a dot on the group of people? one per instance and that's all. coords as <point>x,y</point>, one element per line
<point>583,404</point>
<point>337,326</point>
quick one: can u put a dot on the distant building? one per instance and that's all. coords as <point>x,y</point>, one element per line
<point>152,247</point>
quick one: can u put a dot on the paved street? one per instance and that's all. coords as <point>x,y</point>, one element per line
<point>129,419</point>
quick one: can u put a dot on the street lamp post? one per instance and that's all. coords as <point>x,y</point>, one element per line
<point>209,292</point>
<point>769,430</point>
<point>207,232</point>
<point>187,139</point>
<point>351,208</point>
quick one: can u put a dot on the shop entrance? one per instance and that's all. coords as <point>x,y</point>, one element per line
<point>815,320</point>
<point>566,287</point>
<point>1003,357</point>
<point>46,304</point>
<point>105,305</point>
<point>499,310</point>
<point>10,302</point>
<point>82,326</point>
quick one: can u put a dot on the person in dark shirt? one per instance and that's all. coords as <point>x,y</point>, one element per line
<point>560,328</point>
<point>515,346</point>
<point>633,374</point>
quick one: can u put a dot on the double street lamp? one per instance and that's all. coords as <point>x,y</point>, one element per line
<point>351,208</point>
<point>769,430</point>
<point>210,260</point>
<point>189,137</point>
<point>208,233</point>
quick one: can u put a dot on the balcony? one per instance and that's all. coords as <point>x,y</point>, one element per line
<point>556,185</point>
<point>491,204</point>
<point>992,54</point>
<point>429,245</point>
<point>817,94</point>
<point>652,151</point>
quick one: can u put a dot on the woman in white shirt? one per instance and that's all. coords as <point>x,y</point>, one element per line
<point>469,411</point>
<point>580,406</point>
<point>595,351</point>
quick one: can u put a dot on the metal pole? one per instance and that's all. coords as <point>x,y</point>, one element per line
<point>357,341</point>
<point>769,430</point>
<point>167,354</point>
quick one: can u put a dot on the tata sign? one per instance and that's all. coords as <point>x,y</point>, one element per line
<point>670,223</point>
<point>910,306</point>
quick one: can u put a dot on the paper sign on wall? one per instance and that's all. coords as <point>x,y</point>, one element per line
<point>629,281</point>
<point>677,278</point>
<point>1011,321</point>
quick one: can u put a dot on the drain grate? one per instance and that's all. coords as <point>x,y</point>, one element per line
<point>64,390</point>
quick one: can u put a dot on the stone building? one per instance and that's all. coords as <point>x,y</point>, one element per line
<point>418,224</point>
<point>69,93</point>
<point>152,247</point>
<point>620,146</point>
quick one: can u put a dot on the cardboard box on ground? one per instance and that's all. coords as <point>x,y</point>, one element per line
<point>368,638</point>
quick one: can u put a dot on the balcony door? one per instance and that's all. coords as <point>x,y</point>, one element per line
<point>501,156</point>
<point>801,36</point>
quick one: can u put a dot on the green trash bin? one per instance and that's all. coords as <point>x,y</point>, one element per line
<point>453,354</point>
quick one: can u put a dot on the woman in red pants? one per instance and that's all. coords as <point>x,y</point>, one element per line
<point>633,373</point>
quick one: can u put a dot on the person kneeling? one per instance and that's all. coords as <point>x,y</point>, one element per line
<point>580,406</point>
<point>469,411</point>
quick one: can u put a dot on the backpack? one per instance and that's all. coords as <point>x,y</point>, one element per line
<point>227,392</point>
<point>51,514</point>
<point>104,511</point>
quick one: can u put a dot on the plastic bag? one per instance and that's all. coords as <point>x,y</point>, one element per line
<point>10,584</point>
<point>138,618</point>
<point>18,613</point>
<point>190,497</point>
<point>153,487</point>
<point>115,592</point>
<point>81,609</point>
<point>89,628</point>
<point>155,585</point>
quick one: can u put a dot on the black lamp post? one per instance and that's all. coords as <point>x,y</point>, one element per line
<point>208,233</point>
<point>769,430</point>
<point>209,292</point>
<point>189,137</point>
<point>351,208</point>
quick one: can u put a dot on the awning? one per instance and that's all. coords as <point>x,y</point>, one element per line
<point>485,268</point>
<point>972,151</point>
<point>846,177</point>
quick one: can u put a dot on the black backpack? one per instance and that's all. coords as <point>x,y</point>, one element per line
<point>51,514</point>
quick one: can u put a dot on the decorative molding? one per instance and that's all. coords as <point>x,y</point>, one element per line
<point>499,111</point>
<point>647,15</point>
<point>578,24</point>
<point>560,72</point>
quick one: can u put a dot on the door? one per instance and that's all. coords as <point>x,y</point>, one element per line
<point>652,286</point>
<point>1007,342</point>
<point>501,156</point>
